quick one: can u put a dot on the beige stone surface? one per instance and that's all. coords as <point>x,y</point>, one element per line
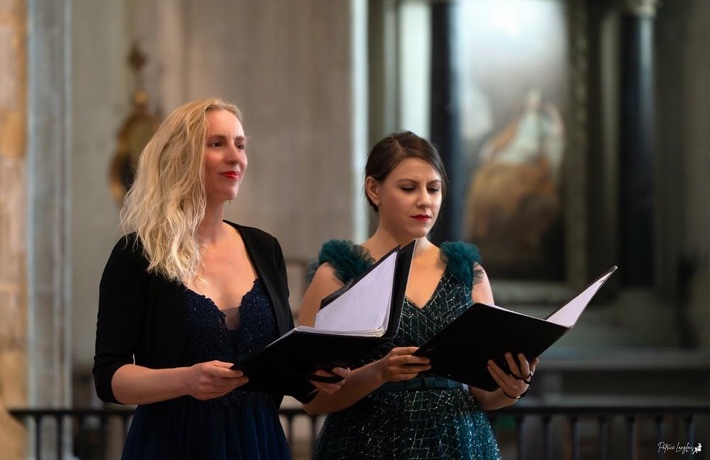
<point>13,78</point>
<point>13,362</point>
<point>12,434</point>
<point>13,299</point>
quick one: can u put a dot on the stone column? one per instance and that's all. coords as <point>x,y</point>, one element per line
<point>445,119</point>
<point>636,201</point>
<point>13,283</point>
<point>49,219</point>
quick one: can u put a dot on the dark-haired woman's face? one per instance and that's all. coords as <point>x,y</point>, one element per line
<point>410,199</point>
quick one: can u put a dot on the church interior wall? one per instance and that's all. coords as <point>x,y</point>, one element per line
<point>292,68</point>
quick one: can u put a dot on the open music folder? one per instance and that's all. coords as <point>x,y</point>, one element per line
<point>461,350</point>
<point>352,322</point>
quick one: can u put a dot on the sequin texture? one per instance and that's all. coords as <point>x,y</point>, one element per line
<point>210,339</point>
<point>415,424</point>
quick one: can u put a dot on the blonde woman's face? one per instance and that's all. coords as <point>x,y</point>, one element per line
<point>225,156</point>
<point>410,198</point>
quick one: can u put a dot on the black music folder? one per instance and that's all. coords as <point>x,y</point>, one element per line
<point>462,349</point>
<point>352,322</point>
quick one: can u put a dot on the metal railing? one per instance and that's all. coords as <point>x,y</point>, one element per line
<point>603,431</point>
<point>523,432</point>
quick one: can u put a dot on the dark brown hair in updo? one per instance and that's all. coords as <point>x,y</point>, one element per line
<point>390,151</point>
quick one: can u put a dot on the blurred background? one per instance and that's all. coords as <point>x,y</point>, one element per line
<point>575,134</point>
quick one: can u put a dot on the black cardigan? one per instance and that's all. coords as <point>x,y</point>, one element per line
<point>143,314</point>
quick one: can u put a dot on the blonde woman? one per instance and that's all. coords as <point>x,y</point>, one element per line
<point>185,294</point>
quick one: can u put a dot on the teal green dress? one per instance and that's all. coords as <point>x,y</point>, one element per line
<point>428,417</point>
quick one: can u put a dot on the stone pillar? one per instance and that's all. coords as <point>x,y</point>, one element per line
<point>13,283</point>
<point>636,202</point>
<point>445,119</point>
<point>49,207</point>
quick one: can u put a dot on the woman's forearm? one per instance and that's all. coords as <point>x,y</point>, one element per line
<point>133,384</point>
<point>491,400</point>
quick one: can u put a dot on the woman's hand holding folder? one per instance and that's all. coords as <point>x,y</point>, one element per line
<point>328,382</point>
<point>400,364</point>
<point>513,384</point>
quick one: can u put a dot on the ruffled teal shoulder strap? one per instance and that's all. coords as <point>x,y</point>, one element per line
<point>349,260</point>
<point>459,258</point>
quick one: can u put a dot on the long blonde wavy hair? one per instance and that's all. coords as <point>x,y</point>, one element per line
<point>166,202</point>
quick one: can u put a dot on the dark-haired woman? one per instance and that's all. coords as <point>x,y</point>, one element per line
<point>390,407</point>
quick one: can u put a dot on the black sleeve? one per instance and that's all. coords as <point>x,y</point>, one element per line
<point>281,265</point>
<point>122,306</point>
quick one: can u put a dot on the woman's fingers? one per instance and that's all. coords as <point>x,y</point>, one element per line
<point>533,365</point>
<point>517,381</point>
<point>400,364</point>
<point>331,387</point>
<point>213,379</point>
<point>514,365</point>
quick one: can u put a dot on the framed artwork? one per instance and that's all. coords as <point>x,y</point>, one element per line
<point>521,86</point>
<point>515,77</point>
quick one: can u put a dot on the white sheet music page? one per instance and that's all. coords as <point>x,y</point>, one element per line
<point>569,314</point>
<point>364,308</point>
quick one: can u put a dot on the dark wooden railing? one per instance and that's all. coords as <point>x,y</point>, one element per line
<point>523,432</point>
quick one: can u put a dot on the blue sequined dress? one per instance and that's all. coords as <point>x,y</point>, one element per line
<point>441,423</point>
<point>239,425</point>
